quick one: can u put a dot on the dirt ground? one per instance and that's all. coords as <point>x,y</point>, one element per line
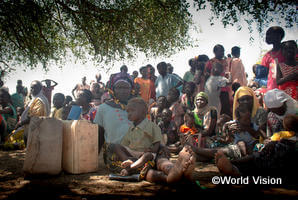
<point>98,186</point>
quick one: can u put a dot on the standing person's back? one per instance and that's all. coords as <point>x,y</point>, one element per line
<point>274,35</point>
<point>47,90</point>
<point>80,86</point>
<point>213,86</point>
<point>236,67</point>
<point>218,51</point>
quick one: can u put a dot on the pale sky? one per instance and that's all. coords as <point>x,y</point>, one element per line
<point>72,73</point>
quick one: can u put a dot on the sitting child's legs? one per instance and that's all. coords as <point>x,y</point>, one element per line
<point>121,152</point>
<point>242,146</point>
<point>172,173</point>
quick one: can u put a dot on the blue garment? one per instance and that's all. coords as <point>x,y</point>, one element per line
<point>164,84</point>
<point>246,137</point>
<point>114,121</point>
<point>261,75</point>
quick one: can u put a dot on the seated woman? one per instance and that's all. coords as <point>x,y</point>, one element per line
<point>168,128</point>
<point>111,117</point>
<point>248,134</point>
<point>276,159</point>
<point>187,98</point>
<point>205,115</point>
<point>246,97</point>
<point>279,104</point>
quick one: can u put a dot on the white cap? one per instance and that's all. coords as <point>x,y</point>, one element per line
<point>275,98</point>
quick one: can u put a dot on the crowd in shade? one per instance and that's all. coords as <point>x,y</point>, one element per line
<point>212,113</point>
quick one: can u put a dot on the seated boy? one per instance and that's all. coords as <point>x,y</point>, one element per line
<point>142,139</point>
<point>168,127</point>
<point>141,147</point>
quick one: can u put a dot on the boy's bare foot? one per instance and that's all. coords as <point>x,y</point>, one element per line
<point>190,163</point>
<point>224,164</point>
<point>124,172</point>
<point>183,166</point>
<point>126,163</point>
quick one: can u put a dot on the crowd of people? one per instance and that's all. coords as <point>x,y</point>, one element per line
<point>212,112</point>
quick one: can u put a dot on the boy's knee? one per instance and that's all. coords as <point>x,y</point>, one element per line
<point>148,156</point>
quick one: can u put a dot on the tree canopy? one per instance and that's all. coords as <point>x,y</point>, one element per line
<point>44,31</point>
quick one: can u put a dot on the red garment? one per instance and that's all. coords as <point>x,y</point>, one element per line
<point>224,63</point>
<point>271,60</point>
<point>198,140</point>
<point>290,87</point>
<point>185,129</point>
<point>47,91</point>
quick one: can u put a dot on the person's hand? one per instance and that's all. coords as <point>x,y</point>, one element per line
<point>266,141</point>
<point>148,150</point>
<point>234,127</point>
<point>292,77</point>
<point>18,125</point>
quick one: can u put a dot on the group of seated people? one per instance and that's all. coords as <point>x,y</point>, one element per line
<point>212,113</point>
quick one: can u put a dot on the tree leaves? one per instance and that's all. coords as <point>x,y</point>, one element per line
<point>36,32</point>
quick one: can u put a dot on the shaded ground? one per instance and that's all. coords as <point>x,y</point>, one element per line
<point>98,186</point>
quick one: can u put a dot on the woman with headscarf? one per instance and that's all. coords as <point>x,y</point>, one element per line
<point>205,116</point>
<point>111,116</point>
<point>279,105</point>
<point>246,97</point>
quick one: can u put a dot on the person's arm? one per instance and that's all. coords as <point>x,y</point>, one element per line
<point>55,83</point>
<point>254,133</point>
<point>212,123</point>
<point>154,148</point>
<point>22,123</point>
<point>281,80</point>
<point>6,110</point>
<point>72,92</point>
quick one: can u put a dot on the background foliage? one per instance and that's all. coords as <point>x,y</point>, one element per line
<point>48,31</point>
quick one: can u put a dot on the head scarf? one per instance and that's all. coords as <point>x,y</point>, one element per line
<point>116,78</point>
<point>121,76</point>
<point>200,94</point>
<point>243,91</point>
<point>275,98</point>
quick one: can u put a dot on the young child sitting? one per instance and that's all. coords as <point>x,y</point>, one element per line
<point>290,126</point>
<point>246,137</point>
<point>155,112</point>
<point>141,147</point>
<point>175,106</point>
<point>142,140</point>
<point>58,102</point>
<point>188,132</point>
<point>168,127</point>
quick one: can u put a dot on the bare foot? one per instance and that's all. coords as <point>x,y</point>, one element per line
<point>124,172</point>
<point>183,165</point>
<point>190,164</point>
<point>126,163</point>
<point>224,164</point>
